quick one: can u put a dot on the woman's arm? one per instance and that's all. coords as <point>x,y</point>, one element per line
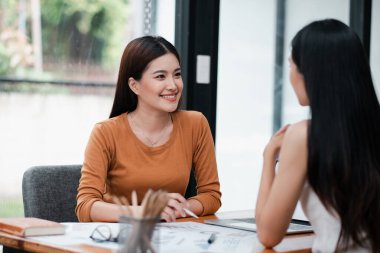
<point>90,204</point>
<point>108,212</point>
<point>278,194</point>
<point>207,201</point>
<point>105,212</point>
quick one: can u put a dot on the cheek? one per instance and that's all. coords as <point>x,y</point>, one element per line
<point>180,84</point>
<point>298,83</point>
<point>293,77</point>
<point>302,94</point>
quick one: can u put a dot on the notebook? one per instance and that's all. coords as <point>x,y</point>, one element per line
<point>299,223</point>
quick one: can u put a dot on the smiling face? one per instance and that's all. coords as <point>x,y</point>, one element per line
<point>160,86</point>
<point>298,83</point>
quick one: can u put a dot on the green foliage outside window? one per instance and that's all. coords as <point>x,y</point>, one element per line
<point>11,207</point>
<point>4,60</point>
<point>74,32</point>
<point>88,31</point>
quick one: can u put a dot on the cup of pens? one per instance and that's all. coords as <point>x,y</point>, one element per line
<point>136,235</point>
<point>137,224</point>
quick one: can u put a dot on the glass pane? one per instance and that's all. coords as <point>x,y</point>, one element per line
<point>245,87</point>
<point>375,50</point>
<point>72,40</point>
<point>80,45</point>
<point>75,40</point>
<point>298,15</point>
<point>244,105</point>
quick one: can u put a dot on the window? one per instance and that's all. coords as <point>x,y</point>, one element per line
<point>58,65</point>
<point>297,17</point>
<point>245,87</point>
<point>375,50</point>
<point>245,97</point>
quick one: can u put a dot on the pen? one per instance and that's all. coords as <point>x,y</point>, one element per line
<point>212,238</point>
<point>190,213</point>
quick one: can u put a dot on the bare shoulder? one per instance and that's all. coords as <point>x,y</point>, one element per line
<point>293,154</point>
<point>297,131</point>
<point>295,139</point>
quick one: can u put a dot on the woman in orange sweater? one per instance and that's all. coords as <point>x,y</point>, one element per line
<point>147,143</point>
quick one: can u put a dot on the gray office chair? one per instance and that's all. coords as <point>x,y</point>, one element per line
<point>49,192</point>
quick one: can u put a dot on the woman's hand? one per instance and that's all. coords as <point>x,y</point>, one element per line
<point>174,208</point>
<point>273,147</point>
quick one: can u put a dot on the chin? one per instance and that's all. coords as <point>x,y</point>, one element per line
<point>171,108</point>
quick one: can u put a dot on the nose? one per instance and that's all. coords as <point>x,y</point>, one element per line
<point>172,84</point>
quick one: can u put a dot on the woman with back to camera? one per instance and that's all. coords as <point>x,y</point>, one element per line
<point>330,162</point>
<point>147,143</point>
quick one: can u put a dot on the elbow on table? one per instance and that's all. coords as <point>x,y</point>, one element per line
<point>268,239</point>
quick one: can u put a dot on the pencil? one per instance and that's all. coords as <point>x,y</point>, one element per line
<point>190,213</point>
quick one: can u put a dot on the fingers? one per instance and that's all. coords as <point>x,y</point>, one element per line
<point>178,197</point>
<point>282,130</point>
<point>177,205</point>
<point>168,214</point>
<point>174,207</point>
<point>273,147</point>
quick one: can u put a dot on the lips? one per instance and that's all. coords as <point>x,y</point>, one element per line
<point>171,98</point>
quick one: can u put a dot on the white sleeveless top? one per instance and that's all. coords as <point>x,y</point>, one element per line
<point>326,226</point>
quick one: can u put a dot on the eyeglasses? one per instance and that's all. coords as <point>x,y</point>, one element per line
<point>103,233</point>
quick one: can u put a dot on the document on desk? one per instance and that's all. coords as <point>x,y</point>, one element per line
<point>194,236</point>
<point>168,238</point>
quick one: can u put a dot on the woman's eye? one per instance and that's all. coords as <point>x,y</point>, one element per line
<point>178,74</point>
<point>160,77</point>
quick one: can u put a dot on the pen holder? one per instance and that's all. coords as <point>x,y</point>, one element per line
<point>136,234</point>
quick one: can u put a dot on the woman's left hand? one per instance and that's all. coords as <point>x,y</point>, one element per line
<point>273,147</point>
<point>174,208</point>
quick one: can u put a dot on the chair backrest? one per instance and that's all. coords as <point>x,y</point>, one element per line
<point>49,192</point>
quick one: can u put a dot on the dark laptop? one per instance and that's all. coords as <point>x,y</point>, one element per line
<point>299,223</point>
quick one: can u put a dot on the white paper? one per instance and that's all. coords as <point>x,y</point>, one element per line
<point>172,237</point>
<point>193,237</point>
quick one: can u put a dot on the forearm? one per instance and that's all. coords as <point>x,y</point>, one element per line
<point>280,190</point>
<point>267,178</point>
<point>195,206</point>
<point>105,212</point>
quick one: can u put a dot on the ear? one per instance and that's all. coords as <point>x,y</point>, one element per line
<point>133,85</point>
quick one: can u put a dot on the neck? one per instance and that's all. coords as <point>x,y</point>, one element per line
<point>150,122</point>
<point>151,129</point>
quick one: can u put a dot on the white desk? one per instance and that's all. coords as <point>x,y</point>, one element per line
<point>294,243</point>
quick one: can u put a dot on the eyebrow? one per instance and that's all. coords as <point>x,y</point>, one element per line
<point>164,71</point>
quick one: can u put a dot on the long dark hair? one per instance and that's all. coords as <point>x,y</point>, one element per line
<point>344,133</point>
<point>136,57</point>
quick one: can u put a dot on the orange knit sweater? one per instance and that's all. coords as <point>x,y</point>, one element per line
<point>117,162</point>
